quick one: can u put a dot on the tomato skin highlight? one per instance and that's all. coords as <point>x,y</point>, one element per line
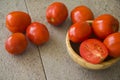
<point>81,13</point>
<point>18,21</point>
<point>37,33</point>
<point>79,32</point>
<point>112,42</point>
<point>16,43</point>
<point>56,13</point>
<point>104,25</point>
<point>93,51</point>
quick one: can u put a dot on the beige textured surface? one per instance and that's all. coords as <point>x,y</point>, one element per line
<point>23,67</point>
<point>51,61</point>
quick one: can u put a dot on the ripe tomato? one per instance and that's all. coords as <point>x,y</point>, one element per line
<point>16,43</point>
<point>56,13</point>
<point>93,51</point>
<point>79,32</point>
<point>104,25</point>
<point>81,13</point>
<point>112,42</point>
<point>37,33</point>
<point>17,21</point>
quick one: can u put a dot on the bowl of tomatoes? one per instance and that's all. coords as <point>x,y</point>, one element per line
<point>93,44</point>
<point>74,54</point>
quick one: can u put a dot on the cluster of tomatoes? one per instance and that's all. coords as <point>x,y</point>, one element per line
<point>98,37</point>
<point>19,23</point>
<point>106,40</point>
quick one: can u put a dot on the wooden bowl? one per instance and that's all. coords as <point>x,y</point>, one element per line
<point>78,59</point>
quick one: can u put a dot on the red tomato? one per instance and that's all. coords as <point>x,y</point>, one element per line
<point>17,21</point>
<point>79,32</point>
<point>104,25</point>
<point>112,42</point>
<point>37,33</point>
<point>93,51</point>
<point>81,13</point>
<point>16,43</point>
<point>56,13</point>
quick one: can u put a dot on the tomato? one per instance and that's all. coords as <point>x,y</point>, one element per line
<point>17,21</point>
<point>93,51</point>
<point>79,32</point>
<point>112,42</point>
<point>16,43</point>
<point>56,13</point>
<point>81,13</point>
<point>104,25</point>
<point>37,33</point>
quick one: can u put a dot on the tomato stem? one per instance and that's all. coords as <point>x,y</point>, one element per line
<point>89,21</point>
<point>52,20</point>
